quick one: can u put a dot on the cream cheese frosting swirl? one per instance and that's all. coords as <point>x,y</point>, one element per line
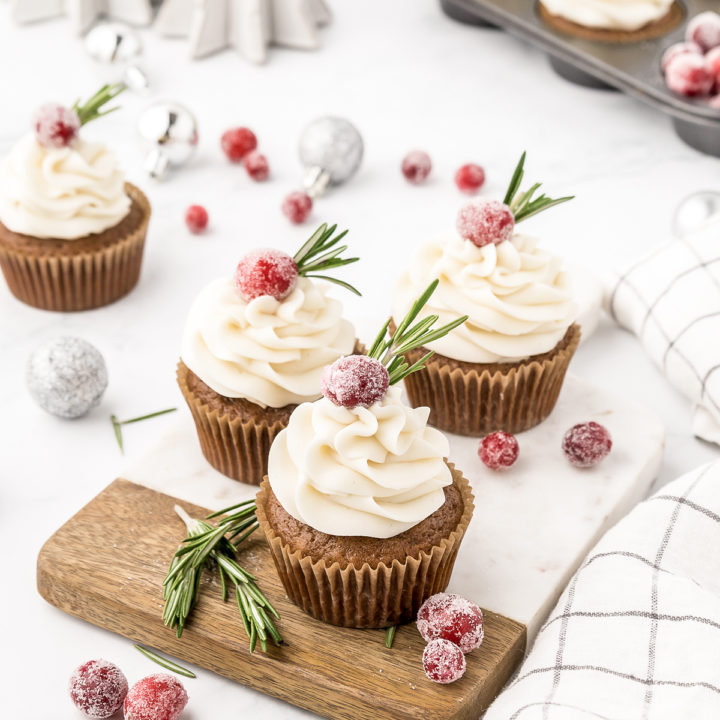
<point>626,15</point>
<point>64,193</point>
<point>517,296</point>
<point>269,352</point>
<point>369,471</point>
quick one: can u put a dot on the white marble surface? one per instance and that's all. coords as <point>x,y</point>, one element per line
<point>540,518</point>
<point>408,77</point>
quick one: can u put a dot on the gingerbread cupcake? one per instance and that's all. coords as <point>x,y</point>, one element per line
<point>503,368</point>
<point>72,231</point>
<point>363,514</point>
<point>612,21</point>
<point>255,346</point>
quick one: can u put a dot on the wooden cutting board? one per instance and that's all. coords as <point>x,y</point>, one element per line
<point>106,566</point>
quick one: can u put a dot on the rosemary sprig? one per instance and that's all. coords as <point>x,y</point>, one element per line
<point>117,424</point>
<point>92,109</point>
<point>389,636</point>
<point>321,253</point>
<point>391,350</point>
<point>206,545</point>
<point>164,662</point>
<point>523,205</point>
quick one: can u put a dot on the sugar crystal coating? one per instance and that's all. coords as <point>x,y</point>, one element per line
<point>237,142</point>
<point>586,444</point>
<point>704,30</point>
<point>443,661</point>
<point>355,380</point>
<point>257,166</point>
<point>680,48</point>
<point>266,272</point>
<point>297,206</point>
<point>470,178</point>
<point>453,618</point>
<point>156,697</point>
<point>98,688</point>
<point>499,450</point>
<point>486,222</point>
<point>55,125</point>
<point>688,74</point>
<point>416,166</point>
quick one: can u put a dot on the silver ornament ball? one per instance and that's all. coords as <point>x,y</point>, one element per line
<point>170,134</point>
<point>113,43</point>
<point>66,377</point>
<point>331,147</point>
<point>696,211</point>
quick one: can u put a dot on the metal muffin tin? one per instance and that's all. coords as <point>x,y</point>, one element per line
<point>633,68</point>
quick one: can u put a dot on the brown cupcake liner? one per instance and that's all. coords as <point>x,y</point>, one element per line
<point>234,446</point>
<point>366,597</point>
<point>475,399</point>
<point>656,29</point>
<point>83,280</point>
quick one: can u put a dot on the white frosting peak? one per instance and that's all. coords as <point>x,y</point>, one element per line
<point>63,193</point>
<point>516,295</point>
<point>269,352</point>
<point>372,472</point>
<point>626,15</point>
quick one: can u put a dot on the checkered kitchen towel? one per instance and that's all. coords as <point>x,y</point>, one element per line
<point>671,300</point>
<point>636,634</point>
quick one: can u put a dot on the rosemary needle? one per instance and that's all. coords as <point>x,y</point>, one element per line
<point>390,635</point>
<point>164,662</point>
<point>117,424</point>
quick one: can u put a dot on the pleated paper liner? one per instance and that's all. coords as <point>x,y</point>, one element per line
<point>237,445</point>
<point>475,399</point>
<point>71,275</point>
<point>666,24</point>
<point>366,597</point>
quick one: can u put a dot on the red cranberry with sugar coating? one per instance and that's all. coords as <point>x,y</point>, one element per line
<point>296,206</point>
<point>689,75</point>
<point>416,166</point>
<point>451,617</point>
<point>55,125</point>
<point>237,142</point>
<point>483,223</point>
<point>586,444</point>
<point>355,380</point>
<point>98,689</point>
<point>156,697</point>
<point>470,178</point>
<point>443,661</point>
<point>704,30</point>
<point>266,272</point>
<point>499,450</point>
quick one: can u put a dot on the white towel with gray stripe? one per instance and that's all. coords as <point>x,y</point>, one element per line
<point>671,300</point>
<point>636,634</point>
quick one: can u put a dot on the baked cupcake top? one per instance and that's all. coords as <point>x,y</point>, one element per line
<point>54,184</point>
<point>625,15</point>
<point>267,334</point>
<point>517,296</point>
<point>359,462</point>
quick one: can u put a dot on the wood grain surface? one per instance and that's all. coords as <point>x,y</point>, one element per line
<point>106,566</point>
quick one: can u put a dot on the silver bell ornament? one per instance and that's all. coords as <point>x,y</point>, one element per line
<point>696,211</point>
<point>331,150</point>
<point>118,45</point>
<point>66,376</point>
<point>169,132</point>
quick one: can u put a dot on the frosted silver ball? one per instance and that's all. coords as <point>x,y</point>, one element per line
<point>170,134</point>
<point>66,376</point>
<point>334,145</point>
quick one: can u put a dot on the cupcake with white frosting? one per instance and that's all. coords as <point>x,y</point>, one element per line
<point>255,346</point>
<point>363,514</point>
<point>504,367</point>
<point>612,20</point>
<point>72,231</point>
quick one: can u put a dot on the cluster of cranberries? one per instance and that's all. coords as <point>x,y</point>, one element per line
<point>99,689</point>
<point>692,68</point>
<point>355,380</point>
<point>452,626</point>
<point>584,445</point>
<point>416,167</point>
<point>240,145</point>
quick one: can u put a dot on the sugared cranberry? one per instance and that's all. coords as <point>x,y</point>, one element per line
<point>297,206</point>
<point>712,60</point>
<point>499,450</point>
<point>483,223</point>
<point>681,48</point>
<point>266,272</point>
<point>238,142</point>
<point>196,219</point>
<point>416,166</point>
<point>443,661</point>
<point>257,166</point>
<point>156,697</point>
<point>586,444</point>
<point>704,30</point>
<point>98,688</point>
<point>55,126</point>
<point>355,380</point>
<point>688,75</point>
<point>451,617</point>
<point>470,178</point>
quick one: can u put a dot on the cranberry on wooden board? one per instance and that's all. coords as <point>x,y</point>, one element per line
<point>443,661</point>
<point>451,617</point>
